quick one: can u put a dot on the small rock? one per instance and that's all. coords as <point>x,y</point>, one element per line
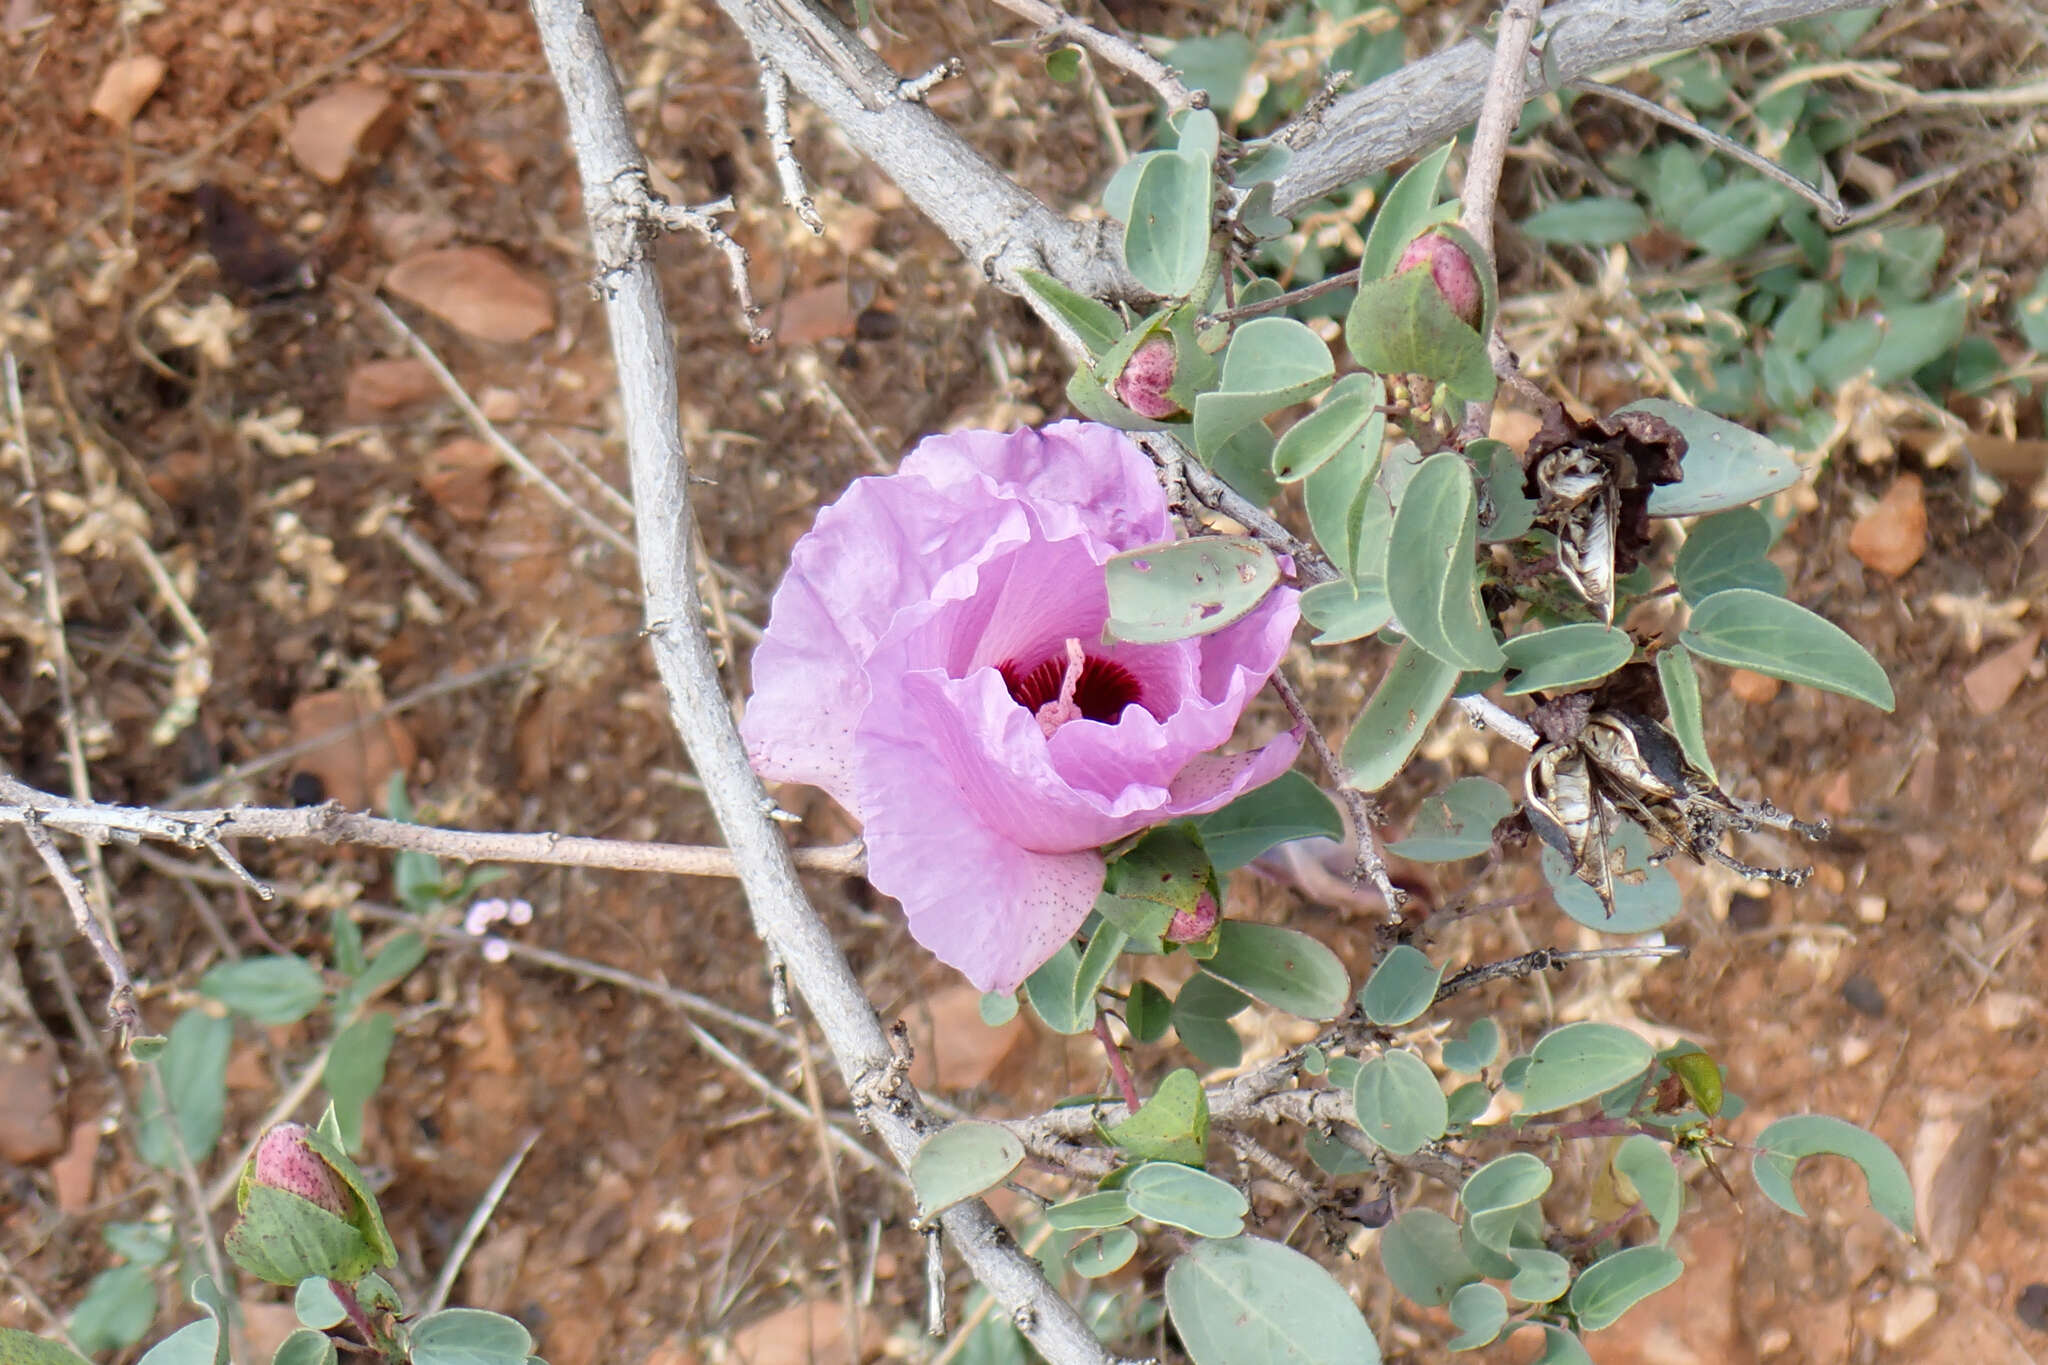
<point>476,290</point>
<point>499,404</point>
<point>1953,1162</point>
<point>355,765</point>
<point>73,1173</point>
<point>378,388</point>
<point>1871,909</point>
<point>1861,994</point>
<point>1748,912</point>
<point>125,87</point>
<point>460,477</point>
<point>402,233</point>
<point>1754,688</point>
<point>2032,1306</point>
<point>811,315</point>
<point>804,1332</point>
<point>1991,684</point>
<point>31,1126</point>
<point>349,126</point>
<point>1891,537</point>
<point>1906,1312</point>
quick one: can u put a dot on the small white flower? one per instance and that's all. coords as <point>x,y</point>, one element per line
<point>520,912</point>
<point>496,949</point>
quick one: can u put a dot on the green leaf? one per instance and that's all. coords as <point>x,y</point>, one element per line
<point>1050,990</point>
<point>1201,1016</point>
<point>1782,1146</point>
<point>1457,822</point>
<point>1096,962</point>
<point>1334,1157</point>
<point>1540,1276</point>
<point>1094,322</point>
<point>1845,352</point>
<point>1173,1125</point>
<point>1183,1197</point>
<point>1727,551</point>
<point>1403,214</point>
<point>26,1348</point>
<point>270,990</point>
<point>304,1347</point>
<point>1280,967</point>
<point>196,1343</point>
<point>1588,222</point>
<point>1103,1209</point>
<point>1466,1103</point>
<point>1579,1061</point>
<point>348,942</point>
<point>395,960</point>
<point>1404,325</point>
<point>960,1161</point>
<point>1505,1185</point>
<point>1272,363</point>
<point>117,1310</point>
<point>1401,987</point>
<point>1390,728</point>
<point>1289,807</point>
<point>1337,497</point>
<point>314,1304</point>
<point>1432,579</point>
<point>1682,698</point>
<point>1399,1103</point>
<point>998,1008</point>
<point>1565,656</point>
<point>469,1336</point>
<point>354,1070</point>
<point>1347,609</point>
<point>1187,588</point>
<point>1244,462</point>
<point>1063,64</point>
<point>1478,1311</point>
<point>1725,465</point>
<point>1348,418</point>
<point>1916,335</point>
<point>1425,1257</point>
<point>1645,897</point>
<point>2030,314</point>
<point>194,1067</point>
<point>282,1238</point>
<point>1102,1253</point>
<point>1513,511</point>
<point>1166,240</point>
<point>1744,628</point>
<point>141,1243</point>
<point>1730,221</point>
<point>1611,1286</point>
<point>1148,1013</point>
<point>1646,1164</point>
<point>1244,1300</point>
<point>1476,1050</point>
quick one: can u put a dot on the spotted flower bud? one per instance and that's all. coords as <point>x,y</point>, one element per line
<point>1192,926</point>
<point>286,1161</point>
<point>1147,375</point>
<point>1452,269</point>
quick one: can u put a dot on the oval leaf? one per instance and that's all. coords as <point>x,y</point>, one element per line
<point>1725,465</point>
<point>1287,808</point>
<point>1166,240</point>
<point>1681,685</point>
<point>1347,609</point>
<point>1173,1125</point>
<point>1785,1143</point>
<point>1432,579</point>
<point>1644,897</point>
<point>1103,1209</point>
<point>1201,1016</point>
<point>194,1066</point>
<point>1280,967</point>
<point>960,1161</point>
<point>1348,417</point>
<point>1424,1256</point>
<point>1645,1164</point>
<point>1404,325</point>
<point>305,1347</point>
<point>1244,1300</point>
<point>1401,987</point>
<point>1476,1050</point>
<point>1399,1103</point>
<point>1744,628</point>
<point>469,1336</point>
<point>1102,1253</point>
<point>1390,728</point>
<point>1457,822</point>
<point>1050,990</point>
<point>1191,587</point>
<point>1727,551</point>
<point>1610,1287</point>
<point>1588,222</point>
<point>270,990</point>
<point>1272,362</point>
<point>1478,1311</point>
<point>1579,1061</point>
<point>1183,1197</point>
<point>1565,656</point>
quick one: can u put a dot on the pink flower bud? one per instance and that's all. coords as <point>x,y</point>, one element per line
<point>286,1161</point>
<point>1451,268</point>
<point>1147,375</point>
<point>1192,926</point>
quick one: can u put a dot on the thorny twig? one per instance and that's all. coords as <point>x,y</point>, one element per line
<point>1058,26</point>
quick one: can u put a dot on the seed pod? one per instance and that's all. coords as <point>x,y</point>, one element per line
<point>1577,497</point>
<point>1567,812</point>
<point>1146,377</point>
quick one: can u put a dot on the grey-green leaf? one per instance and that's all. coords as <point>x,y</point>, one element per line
<point>469,1336</point>
<point>1727,551</point>
<point>26,1348</point>
<point>194,1066</point>
<point>1478,1311</point>
<point>1579,1061</point>
<point>1399,1103</point>
<point>1403,214</point>
<point>1280,967</point>
<point>1744,628</point>
<point>1389,729</point>
<point>1201,1016</point>
<point>960,1161</point>
<point>1404,325</point>
<point>1611,1286</point>
<point>273,990</point>
<point>1565,656</point>
<point>1272,362</point>
<point>1424,1256</point>
<point>1457,822</point>
<point>1166,240</point>
<point>1103,1209</point>
<point>1347,609</point>
<point>1682,698</point>
<point>1348,417</point>
<point>1401,987</point>
<point>1785,1143</point>
<point>1103,1252</point>
<point>304,1347</point>
<point>1725,465</point>
<point>1647,1164</point>
<point>1096,323</point>
<point>1432,579</point>
<point>1050,990</point>
<point>1476,1050</point>
<point>1245,1299</point>
<point>1183,1197</point>
<point>1588,222</point>
<point>1190,587</point>
<point>1289,807</point>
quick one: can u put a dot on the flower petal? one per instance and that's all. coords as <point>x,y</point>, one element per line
<point>1076,477</point>
<point>978,901</point>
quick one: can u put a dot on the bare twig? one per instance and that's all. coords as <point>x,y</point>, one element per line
<point>121,990</point>
<point>915,88</point>
<point>1343,279</point>
<point>609,163</point>
<point>1056,26</point>
<point>646,207</point>
<point>1543,960</point>
<point>1486,714</point>
<point>775,118</point>
<point>1370,864</point>
<point>1828,204</point>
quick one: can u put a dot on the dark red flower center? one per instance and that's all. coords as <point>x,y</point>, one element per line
<point>1104,689</point>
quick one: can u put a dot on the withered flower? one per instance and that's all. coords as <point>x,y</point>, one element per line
<point>1591,482</point>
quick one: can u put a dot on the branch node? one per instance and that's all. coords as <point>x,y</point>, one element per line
<point>914,90</point>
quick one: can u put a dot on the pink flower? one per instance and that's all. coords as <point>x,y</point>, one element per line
<point>934,661</point>
<point>284,1160</point>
